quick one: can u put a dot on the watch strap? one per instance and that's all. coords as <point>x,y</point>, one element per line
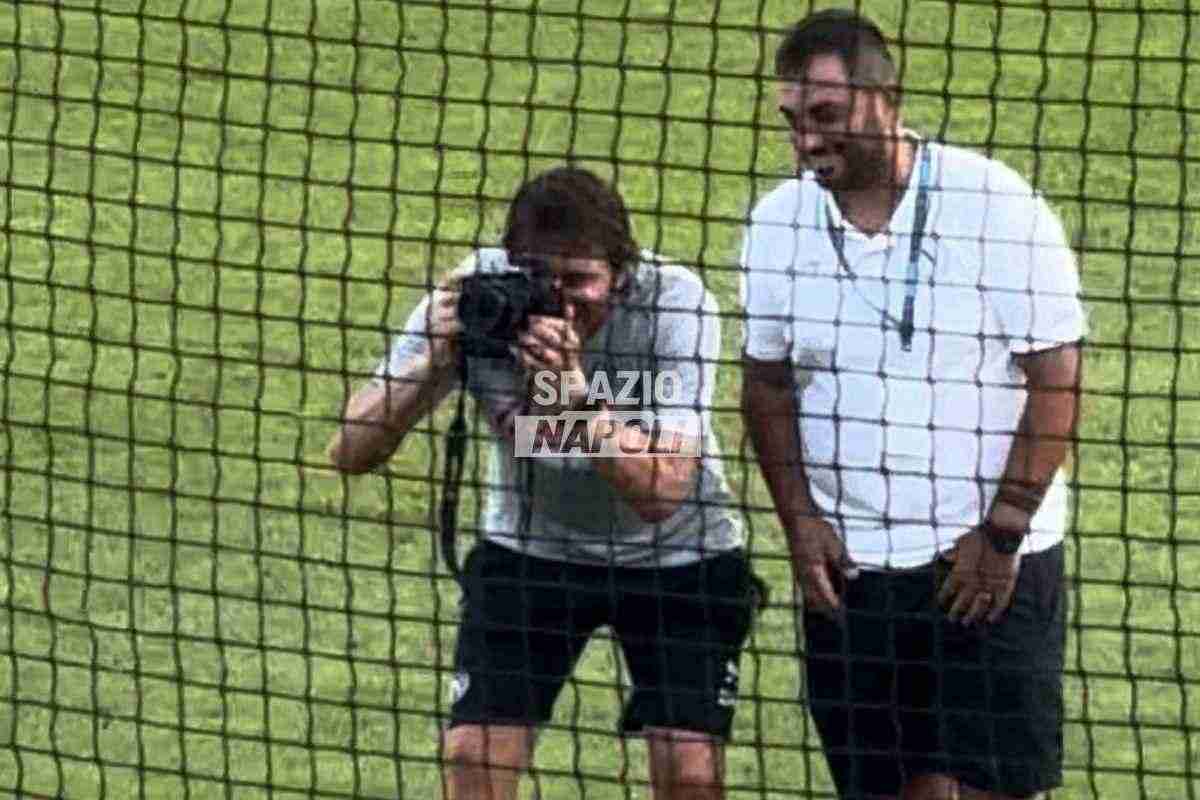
<point>1006,542</point>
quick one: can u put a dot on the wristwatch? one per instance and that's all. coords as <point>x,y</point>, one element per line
<point>1006,542</point>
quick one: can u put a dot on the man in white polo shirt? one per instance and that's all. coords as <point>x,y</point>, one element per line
<point>913,314</point>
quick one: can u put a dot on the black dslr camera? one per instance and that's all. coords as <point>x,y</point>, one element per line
<point>495,308</point>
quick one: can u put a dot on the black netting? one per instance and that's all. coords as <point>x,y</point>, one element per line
<point>216,214</point>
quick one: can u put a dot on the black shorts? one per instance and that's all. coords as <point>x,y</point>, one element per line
<point>526,621</point>
<point>897,690</point>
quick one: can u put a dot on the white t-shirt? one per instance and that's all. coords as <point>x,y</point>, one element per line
<point>904,450</point>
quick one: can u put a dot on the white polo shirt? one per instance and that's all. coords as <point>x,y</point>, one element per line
<point>904,450</point>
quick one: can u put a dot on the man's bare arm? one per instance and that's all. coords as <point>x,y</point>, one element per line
<point>819,559</point>
<point>1044,435</point>
<point>984,577</point>
<point>770,415</point>
<point>653,485</point>
<point>379,415</point>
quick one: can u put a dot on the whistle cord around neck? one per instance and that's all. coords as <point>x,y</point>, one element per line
<point>837,237</point>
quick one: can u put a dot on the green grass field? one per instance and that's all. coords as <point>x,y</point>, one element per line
<point>212,213</point>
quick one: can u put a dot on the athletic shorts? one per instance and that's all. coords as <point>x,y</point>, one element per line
<point>898,690</point>
<point>526,621</point>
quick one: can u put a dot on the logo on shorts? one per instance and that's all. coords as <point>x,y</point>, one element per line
<point>459,686</point>
<point>727,691</point>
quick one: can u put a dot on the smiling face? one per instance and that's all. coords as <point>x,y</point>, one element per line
<point>577,223</point>
<point>844,133</point>
<point>587,286</point>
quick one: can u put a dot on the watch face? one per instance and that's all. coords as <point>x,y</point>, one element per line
<point>1004,543</point>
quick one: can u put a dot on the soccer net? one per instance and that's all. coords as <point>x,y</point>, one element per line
<point>216,214</point>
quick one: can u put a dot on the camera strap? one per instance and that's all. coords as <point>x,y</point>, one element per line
<point>456,449</point>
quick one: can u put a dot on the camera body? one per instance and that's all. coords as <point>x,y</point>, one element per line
<point>494,308</point>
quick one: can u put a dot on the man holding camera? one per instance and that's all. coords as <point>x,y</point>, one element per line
<point>646,545</point>
<point>913,329</point>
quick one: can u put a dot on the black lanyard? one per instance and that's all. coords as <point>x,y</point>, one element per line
<point>837,236</point>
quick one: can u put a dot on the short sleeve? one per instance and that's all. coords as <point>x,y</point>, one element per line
<point>413,339</point>
<point>411,342</point>
<point>764,291</point>
<point>1032,280</point>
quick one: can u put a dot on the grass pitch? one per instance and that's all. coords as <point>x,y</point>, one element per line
<point>213,213</point>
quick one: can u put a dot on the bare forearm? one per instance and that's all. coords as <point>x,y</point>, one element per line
<point>1044,435</point>
<point>1043,439</point>
<point>377,418</point>
<point>770,416</point>
<point>654,485</point>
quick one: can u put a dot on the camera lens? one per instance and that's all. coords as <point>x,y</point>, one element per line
<point>489,310</point>
<point>493,309</point>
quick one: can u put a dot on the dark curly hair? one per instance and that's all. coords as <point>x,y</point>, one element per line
<point>570,211</point>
